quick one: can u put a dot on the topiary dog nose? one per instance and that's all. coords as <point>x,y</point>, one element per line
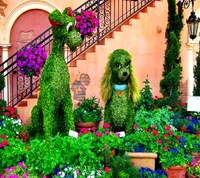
<point>124,74</point>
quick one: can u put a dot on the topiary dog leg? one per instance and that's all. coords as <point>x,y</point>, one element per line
<point>68,113</point>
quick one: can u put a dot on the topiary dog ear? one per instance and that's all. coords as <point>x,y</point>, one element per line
<point>68,11</point>
<point>55,18</point>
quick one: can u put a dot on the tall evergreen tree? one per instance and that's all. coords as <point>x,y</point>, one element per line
<point>196,91</point>
<point>169,85</point>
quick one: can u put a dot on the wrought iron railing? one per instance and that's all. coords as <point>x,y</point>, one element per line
<point>111,14</point>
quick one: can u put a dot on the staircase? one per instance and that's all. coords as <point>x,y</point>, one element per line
<point>95,56</point>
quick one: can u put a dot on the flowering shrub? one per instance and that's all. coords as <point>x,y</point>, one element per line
<point>194,167</point>
<point>10,121</point>
<point>86,22</point>
<point>30,60</point>
<point>16,171</point>
<point>192,124</point>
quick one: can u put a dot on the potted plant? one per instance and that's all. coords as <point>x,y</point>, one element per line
<point>30,60</point>
<point>87,113</point>
<point>86,22</point>
<point>141,147</point>
<point>193,169</point>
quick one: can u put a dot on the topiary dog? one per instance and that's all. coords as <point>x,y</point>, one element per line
<point>53,112</point>
<point>119,91</point>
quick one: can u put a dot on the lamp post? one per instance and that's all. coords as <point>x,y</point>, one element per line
<point>193,20</point>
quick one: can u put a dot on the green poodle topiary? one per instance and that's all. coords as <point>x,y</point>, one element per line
<point>119,91</point>
<point>53,112</point>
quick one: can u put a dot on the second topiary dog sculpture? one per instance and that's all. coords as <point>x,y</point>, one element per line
<point>119,91</point>
<point>53,112</point>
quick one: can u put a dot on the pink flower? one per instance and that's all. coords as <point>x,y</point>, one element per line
<point>135,126</point>
<point>167,128</point>
<point>98,134</point>
<point>165,135</point>
<point>153,127</point>
<point>159,141</point>
<point>117,134</point>
<point>107,169</point>
<point>190,117</point>
<point>178,137</point>
<point>77,172</point>
<point>21,165</point>
<point>93,129</point>
<point>107,132</point>
<point>84,130</point>
<point>132,163</point>
<point>106,125</point>
<point>11,169</point>
<point>105,147</point>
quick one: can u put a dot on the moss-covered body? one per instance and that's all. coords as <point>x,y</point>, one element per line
<point>53,112</point>
<point>119,91</point>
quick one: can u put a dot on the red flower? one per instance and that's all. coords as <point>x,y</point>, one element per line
<point>3,136</point>
<point>135,126</point>
<point>153,127</point>
<point>84,130</point>
<point>106,125</point>
<point>178,137</point>
<point>183,104</point>
<point>7,113</point>
<point>167,128</point>
<point>165,135</point>
<point>165,148</point>
<point>107,169</point>
<point>167,141</point>
<point>171,133</point>
<point>4,143</point>
<point>155,132</point>
<point>98,134</point>
<point>79,103</point>
<point>132,163</point>
<point>93,129</point>
<point>159,141</point>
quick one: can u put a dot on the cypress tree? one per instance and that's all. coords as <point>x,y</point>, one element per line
<point>169,85</point>
<point>196,91</point>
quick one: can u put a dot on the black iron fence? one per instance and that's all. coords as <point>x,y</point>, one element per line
<point>111,14</point>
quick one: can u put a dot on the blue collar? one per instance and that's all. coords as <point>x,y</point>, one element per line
<point>120,87</point>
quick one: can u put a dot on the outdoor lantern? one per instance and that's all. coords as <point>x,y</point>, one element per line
<point>193,23</point>
<point>193,20</point>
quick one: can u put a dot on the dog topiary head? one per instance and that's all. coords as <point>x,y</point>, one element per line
<point>63,28</point>
<point>119,71</point>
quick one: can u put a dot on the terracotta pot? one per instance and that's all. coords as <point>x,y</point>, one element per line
<point>88,125</point>
<point>143,159</point>
<point>191,176</point>
<point>176,171</point>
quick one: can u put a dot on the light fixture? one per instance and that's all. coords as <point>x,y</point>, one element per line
<point>193,20</point>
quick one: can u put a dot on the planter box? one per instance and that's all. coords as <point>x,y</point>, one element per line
<point>143,159</point>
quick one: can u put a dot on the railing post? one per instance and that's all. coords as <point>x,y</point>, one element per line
<point>98,16</point>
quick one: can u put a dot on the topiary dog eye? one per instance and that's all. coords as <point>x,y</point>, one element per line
<point>127,66</point>
<point>69,26</point>
<point>118,66</point>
